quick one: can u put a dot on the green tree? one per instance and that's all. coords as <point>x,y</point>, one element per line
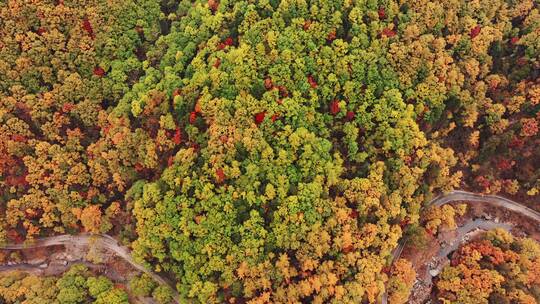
<point>162,294</point>
<point>98,285</point>
<point>142,285</point>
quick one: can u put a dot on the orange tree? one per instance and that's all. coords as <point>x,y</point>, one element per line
<point>472,73</point>
<point>269,151</point>
<point>300,159</point>
<point>77,285</point>
<point>495,269</point>
<point>64,157</point>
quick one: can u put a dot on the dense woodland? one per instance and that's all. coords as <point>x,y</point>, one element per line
<point>77,285</point>
<point>264,151</point>
<point>496,268</point>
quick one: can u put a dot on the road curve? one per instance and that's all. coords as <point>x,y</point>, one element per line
<point>85,239</point>
<point>494,200</point>
<point>468,227</point>
<point>471,225</point>
<point>111,244</point>
<point>458,196</point>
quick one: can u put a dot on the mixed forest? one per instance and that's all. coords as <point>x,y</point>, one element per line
<point>77,285</point>
<point>496,268</point>
<point>269,151</point>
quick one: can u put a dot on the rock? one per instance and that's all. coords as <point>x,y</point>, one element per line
<point>58,263</point>
<point>37,261</point>
<point>58,256</point>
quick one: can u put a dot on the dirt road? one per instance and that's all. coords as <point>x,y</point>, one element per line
<point>109,243</point>
<point>87,240</point>
<point>464,196</point>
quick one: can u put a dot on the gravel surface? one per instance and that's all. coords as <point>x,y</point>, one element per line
<point>437,262</point>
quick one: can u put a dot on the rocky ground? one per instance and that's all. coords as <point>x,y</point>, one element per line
<point>55,260</point>
<point>480,217</point>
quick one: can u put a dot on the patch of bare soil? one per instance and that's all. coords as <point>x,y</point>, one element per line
<point>55,260</point>
<point>522,226</point>
<point>419,256</point>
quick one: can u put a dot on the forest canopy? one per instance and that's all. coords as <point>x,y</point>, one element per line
<point>263,151</point>
<point>496,268</point>
<point>77,285</point>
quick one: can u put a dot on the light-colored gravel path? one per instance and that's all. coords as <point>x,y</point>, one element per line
<point>465,196</point>
<point>87,240</point>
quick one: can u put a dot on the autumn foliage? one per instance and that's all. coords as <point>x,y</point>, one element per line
<point>263,151</point>
<point>497,268</point>
<point>303,159</point>
<point>76,285</point>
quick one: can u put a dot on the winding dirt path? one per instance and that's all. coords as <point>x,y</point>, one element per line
<point>461,237</point>
<point>465,196</point>
<point>494,200</point>
<point>87,240</point>
<point>109,243</point>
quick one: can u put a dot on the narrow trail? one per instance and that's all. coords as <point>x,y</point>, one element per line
<point>87,240</point>
<point>109,243</point>
<point>465,196</point>
<point>462,232</point>
<point>494,200</point>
